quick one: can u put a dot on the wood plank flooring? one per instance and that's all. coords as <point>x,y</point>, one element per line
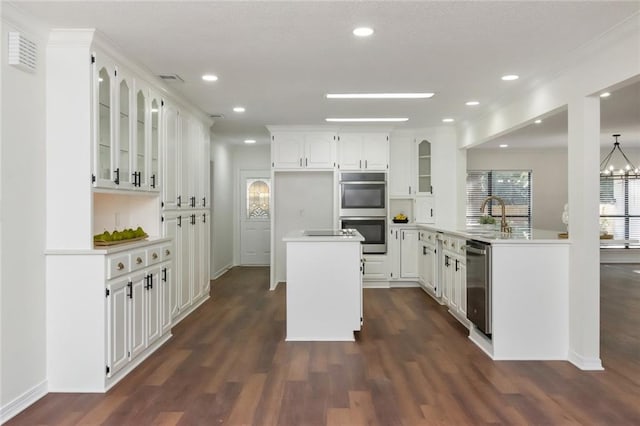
<point>411,365</point>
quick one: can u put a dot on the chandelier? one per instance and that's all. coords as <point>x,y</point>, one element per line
<point>621,169</point>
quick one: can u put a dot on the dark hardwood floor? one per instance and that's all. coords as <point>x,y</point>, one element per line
<point>412,364</point>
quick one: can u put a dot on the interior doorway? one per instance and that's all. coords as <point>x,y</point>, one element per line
<point>255,217</point>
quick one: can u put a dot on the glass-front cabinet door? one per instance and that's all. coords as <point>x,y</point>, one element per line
<point>103,161</point>
<point>139,174</point>
<point>424,167</point>
<point>123,171</point>
<point>154,151</point>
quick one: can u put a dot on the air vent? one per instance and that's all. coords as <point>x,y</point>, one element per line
<point>216,115</point>
<point>22,52</point>
<point>171,77</point>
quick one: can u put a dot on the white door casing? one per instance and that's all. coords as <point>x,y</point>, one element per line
<point>255,224</point>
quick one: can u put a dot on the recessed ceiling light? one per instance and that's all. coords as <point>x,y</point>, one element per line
<point>249,141</point>
<point>238,109</point>
<point>424,95</point>
<point>538,121</point>
<point>510,77</point>
<point>210,77</point>
<point>448,120</point>
<point>605,95</point>
<point>365,120</point>
<point>504,145</point>
<point>472,103</point>
<point>363,31</point>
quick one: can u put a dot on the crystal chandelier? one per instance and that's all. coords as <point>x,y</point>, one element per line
<point>624,168</point>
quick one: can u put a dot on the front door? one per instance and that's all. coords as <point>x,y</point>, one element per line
<point>255,217</point>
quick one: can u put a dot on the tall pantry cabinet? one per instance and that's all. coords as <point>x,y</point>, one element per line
<point>113,159</point>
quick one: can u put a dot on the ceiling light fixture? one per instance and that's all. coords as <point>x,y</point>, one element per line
<point>504,145</point>
<point>538,121</point>
<point>425,95</point>
<point>472,103</point>
<point>612,171</point>
<point>365,120</point>
<point>510,77</point>
<point>448,120</point>
<point>238,109</point>
<point>605,95</point>
<point>363,31</point>
<point>210,77</point>
<point>249,141</point>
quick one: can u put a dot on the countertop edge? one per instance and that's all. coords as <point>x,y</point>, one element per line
<point>108,250</point>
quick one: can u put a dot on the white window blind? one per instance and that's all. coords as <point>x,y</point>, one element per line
<point>513,186</point>
<point>620,207</point>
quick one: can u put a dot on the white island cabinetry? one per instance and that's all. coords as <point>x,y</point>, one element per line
<point>324,286</point>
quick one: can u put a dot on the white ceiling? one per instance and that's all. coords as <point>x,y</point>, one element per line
<point>279,59</point>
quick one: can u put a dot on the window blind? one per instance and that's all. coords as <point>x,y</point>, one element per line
<point>620,207</point>
<point>513,186</point>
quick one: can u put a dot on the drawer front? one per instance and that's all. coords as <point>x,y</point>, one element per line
<point>154,255</point>
<point>166,252</point>
<point>138,260</point>
<point>117,265</point>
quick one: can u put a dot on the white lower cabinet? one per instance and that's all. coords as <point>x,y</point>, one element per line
<point>190,275</point>
<point>403,253</point>
<point>427,266</point>
<point>454,277</point>
<point>137,307</point>
<point>375,267</point>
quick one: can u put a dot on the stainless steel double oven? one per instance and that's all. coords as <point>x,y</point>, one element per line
<point>363,206</point>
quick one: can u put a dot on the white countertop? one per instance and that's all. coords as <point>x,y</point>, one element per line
<point>530,236</point>
<point>109,249</point>
<point>299,236</point>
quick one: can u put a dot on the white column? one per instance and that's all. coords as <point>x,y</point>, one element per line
<point>584,202</point>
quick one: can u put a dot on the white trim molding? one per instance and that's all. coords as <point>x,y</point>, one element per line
<point>23,401</point>
<point>587,364</point>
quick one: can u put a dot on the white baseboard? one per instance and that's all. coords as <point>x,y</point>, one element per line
<point>375,284</point>
<point>19,404</point>
<point>587,364</point>
<point>220,272</point>
<point>404,284</point>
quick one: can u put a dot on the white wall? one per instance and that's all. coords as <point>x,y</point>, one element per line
<point>221,208</point>
<point>22,242</point>
<point>302,200</point>
<point>549,182</point>
<point>245,157</point>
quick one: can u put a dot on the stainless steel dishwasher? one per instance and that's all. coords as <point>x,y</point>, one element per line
<point>479,285</point>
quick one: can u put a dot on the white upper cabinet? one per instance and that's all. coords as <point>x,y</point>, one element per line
<point>402,182</point>
<point>424,166</point>
<point>104,80</point>
<point>154,141</point>
<point>303,150</point>
<point>124,159</point>
<point>363,151</point>
<point>140,172</point>
<point>171,157</point>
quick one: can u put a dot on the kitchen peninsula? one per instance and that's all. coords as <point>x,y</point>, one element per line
<point>324,284</point>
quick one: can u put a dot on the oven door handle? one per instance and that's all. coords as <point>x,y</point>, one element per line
<point>363,182</point>
<point>471,249</point>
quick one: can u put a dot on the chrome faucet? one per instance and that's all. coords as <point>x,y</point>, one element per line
<point>504,226</point>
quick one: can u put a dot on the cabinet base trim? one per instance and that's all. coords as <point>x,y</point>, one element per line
<point>112,381</point>
<point>182,315</point>
<point>587,364</point>
<point>403,284</point>
<point>22,402</point>
<point>375,284</point>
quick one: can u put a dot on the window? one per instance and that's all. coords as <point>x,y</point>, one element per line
<point>620,207</point>
<point>258,191</point>
<point>513,186</point>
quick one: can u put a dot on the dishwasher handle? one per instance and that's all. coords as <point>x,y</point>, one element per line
<point>472,249</point>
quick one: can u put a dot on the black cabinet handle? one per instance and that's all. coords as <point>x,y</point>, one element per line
<point>179,200</point>
<point>306,162</point>
<point>431,212</point>
<point>117,176</point>
<point>146,282</point>
<point>164,275</point>
<point>151,281</point>
<point>457,264</point>
<point>300,161</point>
<point>179,220</point>
<point>403,235</point>
<point>193,219</point>
<point>193,201</point>
<point>153,181</point>
<point>204,201</point>
<point>424,250</point>
<point>134,175</point>
<point>204,218</point>
<point>130,290</point>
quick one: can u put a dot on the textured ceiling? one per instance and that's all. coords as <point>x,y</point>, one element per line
<point>278,59</point>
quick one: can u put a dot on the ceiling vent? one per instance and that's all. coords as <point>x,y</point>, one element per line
<point>22,52</point>
<point>172,78</point>
<point>216,115</point>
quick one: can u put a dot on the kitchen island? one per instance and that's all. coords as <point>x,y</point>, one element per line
<point>324,285</point>
<point>529,292</point>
